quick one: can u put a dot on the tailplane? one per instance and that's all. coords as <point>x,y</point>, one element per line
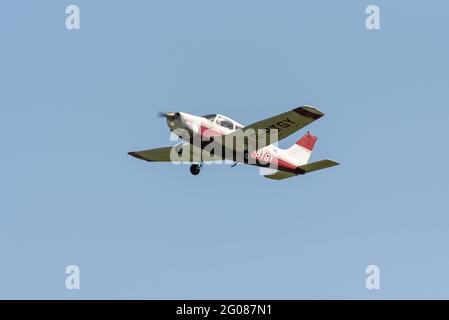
<point>306,168</point>
<point>298,155</point>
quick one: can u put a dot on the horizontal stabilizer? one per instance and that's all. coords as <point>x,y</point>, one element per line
<point>280,175</point>
<point>318,165</point>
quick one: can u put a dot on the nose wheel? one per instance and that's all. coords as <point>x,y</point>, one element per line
<point>195,169</point>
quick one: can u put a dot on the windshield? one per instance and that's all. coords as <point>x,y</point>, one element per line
<point>225,123</point>
<point>210,117</point>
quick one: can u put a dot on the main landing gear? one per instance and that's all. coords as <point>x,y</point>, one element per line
<point>195,169</point>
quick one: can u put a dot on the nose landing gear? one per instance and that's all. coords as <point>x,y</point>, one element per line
<point>195,169</point>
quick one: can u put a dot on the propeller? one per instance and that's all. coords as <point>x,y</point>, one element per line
<point>168,115</point>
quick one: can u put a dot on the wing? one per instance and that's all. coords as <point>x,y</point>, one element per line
<point>189,153</point>
<point>258,135</point>
<point>288,122</point>
<point>158,154</point>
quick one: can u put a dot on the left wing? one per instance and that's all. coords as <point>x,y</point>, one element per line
<point>189,153</point>
<point>158,154</point>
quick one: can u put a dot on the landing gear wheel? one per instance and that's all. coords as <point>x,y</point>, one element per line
<point>195,169</point>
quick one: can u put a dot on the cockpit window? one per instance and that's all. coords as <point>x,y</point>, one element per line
<point>210,117</point>
<point>225,123</point>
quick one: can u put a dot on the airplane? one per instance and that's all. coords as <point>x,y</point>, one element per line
<point>285,163</point>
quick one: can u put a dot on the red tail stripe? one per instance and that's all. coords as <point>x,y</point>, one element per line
<point>307,142</point>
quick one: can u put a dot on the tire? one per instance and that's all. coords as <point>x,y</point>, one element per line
<point>195,169</point>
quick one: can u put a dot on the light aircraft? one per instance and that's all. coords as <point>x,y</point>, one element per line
<point>198,133</point>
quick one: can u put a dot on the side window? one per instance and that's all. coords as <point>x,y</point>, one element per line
<point>225,123</point>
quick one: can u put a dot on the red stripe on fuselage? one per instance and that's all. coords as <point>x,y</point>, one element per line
<point>208,132</point>
<point>284,164</point>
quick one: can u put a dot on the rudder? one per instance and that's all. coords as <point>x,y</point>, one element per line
<point>302,149</point>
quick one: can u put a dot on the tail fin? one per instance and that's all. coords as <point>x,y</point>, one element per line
<point>302,149</point>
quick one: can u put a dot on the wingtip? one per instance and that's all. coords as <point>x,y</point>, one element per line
<point>309,112</point>
<point>136,155</point>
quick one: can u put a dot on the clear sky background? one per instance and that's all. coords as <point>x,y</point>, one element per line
<point>73,103</point>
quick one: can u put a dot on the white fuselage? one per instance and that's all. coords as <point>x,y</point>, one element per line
<point>219,125</point>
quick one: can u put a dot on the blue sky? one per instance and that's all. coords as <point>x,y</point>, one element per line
<point>73,103</point>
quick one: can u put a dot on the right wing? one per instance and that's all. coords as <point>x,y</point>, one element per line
<point>258,135</point>
<point>288,122</point>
